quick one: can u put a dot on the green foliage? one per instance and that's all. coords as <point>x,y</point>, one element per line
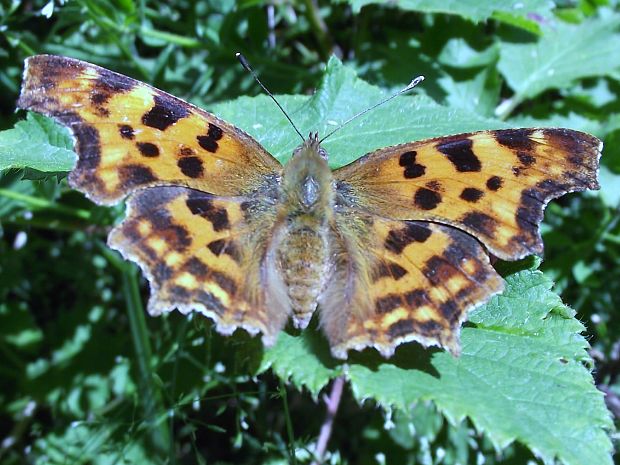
<point>470,9</point>
<point>521,375</point>
<point>339,96</point>
<point>566,52</point>
<point>88,378</point>
<point>36,143</point>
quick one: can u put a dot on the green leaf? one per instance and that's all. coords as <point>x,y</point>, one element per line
<point>38,143</point>
<point>341,95</point>
<point>522,375</point>
<point>315,371</point>
<point>565,53</point>
<point>610,187</point>
<point>471,9</point>
<point>479,93</point>
<point>458,53</point>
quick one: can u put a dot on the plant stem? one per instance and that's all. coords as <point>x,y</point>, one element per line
<point>331,402</point>
<point>289,425</point>
<point>171,38</point>
<point>319,28</point>
<point>504,110</point>
<point>153,405</point>
<point>37,202</point>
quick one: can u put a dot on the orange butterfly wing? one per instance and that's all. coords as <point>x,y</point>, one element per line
<point>491,184</point>
<point>200,190</point>
<point>399,281</point>
<point>130,135</point>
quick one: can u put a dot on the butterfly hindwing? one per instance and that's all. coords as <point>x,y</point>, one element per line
<point>202,252</point>
<point>491,184</point>
<point>400,281</point>
<point>130,135</point>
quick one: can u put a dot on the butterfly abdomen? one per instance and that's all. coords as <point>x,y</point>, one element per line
<point>303,260</point>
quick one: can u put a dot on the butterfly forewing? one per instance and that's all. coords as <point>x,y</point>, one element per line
<point>491,184</point>
<point>130,135</point>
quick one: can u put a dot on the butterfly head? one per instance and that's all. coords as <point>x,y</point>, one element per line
<point>307,178</point>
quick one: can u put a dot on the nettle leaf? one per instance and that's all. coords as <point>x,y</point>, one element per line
<point>523,375</point>
<point>479,93</point>
<point>38,143</point>
<point>458,53</point>
<point>471,9</point>
<point>289,360</point>
<point>341,95</point>
<point>564,53</point>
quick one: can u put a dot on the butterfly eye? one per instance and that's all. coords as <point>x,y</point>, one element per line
<point>323,153</point>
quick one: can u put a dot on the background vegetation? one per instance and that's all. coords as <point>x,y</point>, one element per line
<point>87,378</point>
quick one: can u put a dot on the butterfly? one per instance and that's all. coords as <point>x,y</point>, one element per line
<point>391,248</point>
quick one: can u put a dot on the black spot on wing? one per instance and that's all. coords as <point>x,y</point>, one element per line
<point>389,269</point>
<point>515,139</point>
<point>211,302</point>
<point>417,298</point>
<point>426,199</point>
<point>480,223</point>
<point>175,235</point>
<point>223,246</point>
<point>202,205</point>
<point>398,239</point>
<point>224,282</point>
<point>494,183</point>
<point>450,311</point>
<point>191,166</point>
<point>526,159</point>
<point>459,152</point>
<point>387,303</point>
<point>126,131</point>
<point>148,149</point>
<point>186,152</point>
<point>162,272</point>
<point>215,132</point>
<point>166,111</point>
<point>135,175</point>
<point>471,194</point>
<point>196,267</point>
<point>209,141</point>
<point>218,246</point>
<point>400,328</point>
<point>429,328</point>
<point>412,169</point>
<point>180,293</point>
<point>438,270</point>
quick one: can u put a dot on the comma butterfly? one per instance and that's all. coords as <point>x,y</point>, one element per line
<point>391,247</point>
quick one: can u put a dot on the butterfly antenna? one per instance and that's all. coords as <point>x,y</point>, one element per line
<point>248,68</point>
<point>411,85</point>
